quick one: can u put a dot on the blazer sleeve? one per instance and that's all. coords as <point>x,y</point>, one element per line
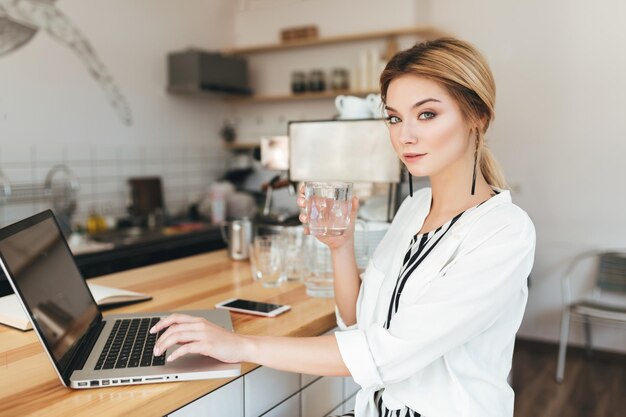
<point>457,306</point>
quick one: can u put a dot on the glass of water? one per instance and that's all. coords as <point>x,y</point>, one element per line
<point>269,253</point>
<point>328,206</point>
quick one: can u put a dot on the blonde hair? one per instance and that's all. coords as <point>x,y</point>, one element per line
<point>462,70</point>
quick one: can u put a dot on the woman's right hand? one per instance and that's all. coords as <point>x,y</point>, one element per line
<point>333,242</point>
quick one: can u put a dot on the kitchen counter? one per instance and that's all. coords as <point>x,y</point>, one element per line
<point>29,385</point>
<point>123,250</point>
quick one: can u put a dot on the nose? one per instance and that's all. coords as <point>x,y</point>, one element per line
<point>408,134</point>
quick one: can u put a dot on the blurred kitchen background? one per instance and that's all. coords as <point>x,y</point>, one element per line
<point>106,113</point>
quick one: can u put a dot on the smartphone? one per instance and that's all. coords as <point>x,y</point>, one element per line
<point>253,307</point>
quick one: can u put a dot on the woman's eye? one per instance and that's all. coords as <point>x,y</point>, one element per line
<point>393,120</point>
<point>426,115</point>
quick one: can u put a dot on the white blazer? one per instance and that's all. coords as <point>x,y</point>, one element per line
<point>449,348</point>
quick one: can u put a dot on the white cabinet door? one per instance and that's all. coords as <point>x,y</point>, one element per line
<point>289,408</point>
<point>336,412</point>
<point>321,397</point>
<point>349,387</point>
<point>224,401</point>
<point>308,379</point>
<point>349,404</point>
<point>264,388</point>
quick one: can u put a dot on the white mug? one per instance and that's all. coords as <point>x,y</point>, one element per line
<point>351,107</point>
<point>375,104</point>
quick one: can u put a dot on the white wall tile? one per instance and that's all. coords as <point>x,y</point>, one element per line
<point>77,152</point>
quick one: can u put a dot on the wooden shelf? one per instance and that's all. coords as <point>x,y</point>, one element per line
<point>425,32</point>
<point>297,97</point>
<point>234,146</point>
<point>195,92</point>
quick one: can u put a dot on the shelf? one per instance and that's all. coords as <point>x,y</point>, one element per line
<point>298,97</point>
<point>192,90</point>
<point>276,98</point>
<point>234,146</point>
<point>425,32</point>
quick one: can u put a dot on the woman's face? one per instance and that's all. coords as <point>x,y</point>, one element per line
<point>428,131</point>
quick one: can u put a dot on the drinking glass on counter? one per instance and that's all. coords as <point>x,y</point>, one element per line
<point>294,239</point>
<point>269,256</point>
<point>252,258</point>
<point>328,206</point>
<point>318,276</point>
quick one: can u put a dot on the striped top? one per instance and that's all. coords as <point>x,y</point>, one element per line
<point>449,344</point>
<point>419,248</point>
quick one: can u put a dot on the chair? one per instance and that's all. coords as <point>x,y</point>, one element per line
<point>605,305</point>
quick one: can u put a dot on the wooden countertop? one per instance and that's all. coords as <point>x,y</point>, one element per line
<point>29,385</point>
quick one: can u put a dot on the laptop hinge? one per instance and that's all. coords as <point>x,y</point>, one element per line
<point>79,360</point>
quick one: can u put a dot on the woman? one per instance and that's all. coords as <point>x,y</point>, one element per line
<point>430,328</point>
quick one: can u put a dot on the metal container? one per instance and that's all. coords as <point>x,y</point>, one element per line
<point>238,237</point>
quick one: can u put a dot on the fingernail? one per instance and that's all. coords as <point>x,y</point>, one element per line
<point>152,329</point>
<point>169,358</point>
<point>156,352</point>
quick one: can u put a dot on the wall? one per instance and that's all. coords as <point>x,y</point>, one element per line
<point>559,132</point>
<point>260,21</point>
<point>559,127</point>
<point>52,110</point>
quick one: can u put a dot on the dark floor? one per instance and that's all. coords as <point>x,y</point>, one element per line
<point>593,387</point>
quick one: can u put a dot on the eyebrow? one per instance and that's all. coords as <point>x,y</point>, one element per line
<point>416,105</point>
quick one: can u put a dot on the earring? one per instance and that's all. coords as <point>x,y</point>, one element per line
<point>475,160</point>
<point>410,184</point>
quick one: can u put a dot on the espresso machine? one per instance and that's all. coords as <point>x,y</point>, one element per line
<point>357,151</point>
<point>352,150</point>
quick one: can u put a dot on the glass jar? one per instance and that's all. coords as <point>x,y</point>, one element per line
<point>316,82</point>
<point>339,79</point>
<point>298,82</point>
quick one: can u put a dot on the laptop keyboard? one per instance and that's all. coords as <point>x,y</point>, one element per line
<point>131,345</point>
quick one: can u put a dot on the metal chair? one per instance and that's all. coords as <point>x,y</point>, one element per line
<point>602,306</point>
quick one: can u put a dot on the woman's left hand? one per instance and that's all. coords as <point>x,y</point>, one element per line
<point>198,335</point>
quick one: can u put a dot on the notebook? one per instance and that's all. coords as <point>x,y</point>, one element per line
<point>12,314</point>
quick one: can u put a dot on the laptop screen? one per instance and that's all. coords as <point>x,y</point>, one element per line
<point>43,271</point>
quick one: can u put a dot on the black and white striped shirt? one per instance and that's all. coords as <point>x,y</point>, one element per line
<point>419,248</point>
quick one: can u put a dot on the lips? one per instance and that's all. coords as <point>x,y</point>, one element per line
<point>412,157</point>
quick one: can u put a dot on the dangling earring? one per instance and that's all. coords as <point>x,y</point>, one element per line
<point>475,160</point>
<point>410,184</point>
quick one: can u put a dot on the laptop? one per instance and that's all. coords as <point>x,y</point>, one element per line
<point>86,349</point>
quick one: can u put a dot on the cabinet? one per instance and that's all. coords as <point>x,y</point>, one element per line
<point>265,387</point>
<point>321,397</point>
<point>288,408</point>
<point>225,401</point>
<point>271,393</point>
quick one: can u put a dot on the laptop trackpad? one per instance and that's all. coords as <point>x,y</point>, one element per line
<point>194,362</point>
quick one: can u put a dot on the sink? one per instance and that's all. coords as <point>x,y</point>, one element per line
<point>134,235</point>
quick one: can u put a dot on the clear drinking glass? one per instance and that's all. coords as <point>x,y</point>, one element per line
<point>318,276</point>
<point>328,206</point>
<point>294,252</point>
<point>270,257</point>
<point>253,262</point>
